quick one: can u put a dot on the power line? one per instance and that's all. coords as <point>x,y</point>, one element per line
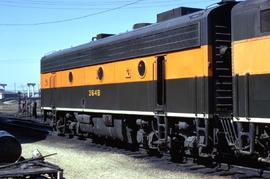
<point>61,3</point>
<point>158,3</point>
<point>141,6</point>
<point>76,3</point>
<point>78,7</point>
<point>70,19</point>
<point>73,5</point>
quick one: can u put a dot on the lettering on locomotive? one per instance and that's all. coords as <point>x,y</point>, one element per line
<point>94,92</point>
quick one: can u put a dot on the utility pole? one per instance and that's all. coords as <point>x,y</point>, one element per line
<point>15,90</point>
<point>31,85</point>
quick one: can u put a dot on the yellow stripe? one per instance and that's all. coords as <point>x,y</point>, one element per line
<point>251,56</point>
<point>184,64</point>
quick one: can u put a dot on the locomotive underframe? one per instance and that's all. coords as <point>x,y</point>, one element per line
<point>184,138</point>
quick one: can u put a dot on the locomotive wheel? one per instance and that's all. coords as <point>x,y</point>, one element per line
<point>98,140</point>
<point>83,136</point>
<point>61,126</point>
<point>154,152</point>
<point>177,150</point>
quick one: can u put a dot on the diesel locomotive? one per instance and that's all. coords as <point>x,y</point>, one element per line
<point>195,83</point>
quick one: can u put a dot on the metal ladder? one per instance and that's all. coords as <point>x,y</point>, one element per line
<point>229,131</point>
<point>162,125</point>
<point>202,132</point>
<point>222,70</point>
<point>223,93</point>
<point>241,138</point>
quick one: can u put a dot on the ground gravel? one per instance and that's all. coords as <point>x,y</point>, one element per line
<point>82,159</point>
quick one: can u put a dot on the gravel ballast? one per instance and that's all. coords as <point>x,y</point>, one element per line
<point>83,160</point>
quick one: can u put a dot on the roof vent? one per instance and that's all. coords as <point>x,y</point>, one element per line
<point>226,1</point>
<point>101,36</point>
<point>177,12</point>
<point>140,25</point>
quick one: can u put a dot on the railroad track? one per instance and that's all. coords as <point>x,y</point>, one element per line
<point>24,123</point>
<point>236,172</point>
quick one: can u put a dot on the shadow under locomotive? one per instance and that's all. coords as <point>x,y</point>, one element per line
<point>22,133</point>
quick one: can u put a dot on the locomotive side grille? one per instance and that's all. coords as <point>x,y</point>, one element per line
<point>156,42</point>
<point>222,71</point>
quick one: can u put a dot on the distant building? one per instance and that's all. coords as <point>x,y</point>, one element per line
<point>8,95</point>
<point>1,94</point>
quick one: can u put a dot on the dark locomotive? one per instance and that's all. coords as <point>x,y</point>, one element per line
<point>194,83</point>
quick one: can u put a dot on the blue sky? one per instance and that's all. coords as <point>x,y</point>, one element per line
<point>22,46</point>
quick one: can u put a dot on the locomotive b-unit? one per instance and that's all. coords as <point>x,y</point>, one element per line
<point>196,82</point>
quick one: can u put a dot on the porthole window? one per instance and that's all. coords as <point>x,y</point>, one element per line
<point>141,68</point>
<point>70,77</point>
<point>100,73</point>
